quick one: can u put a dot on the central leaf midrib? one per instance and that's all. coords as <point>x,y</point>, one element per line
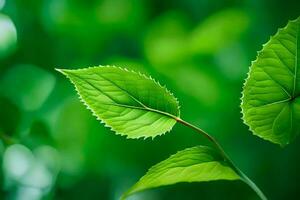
<point>273,103</point>
<point>129,94</point>
<point>296,60</point>
<point>164,168</point>
<point>128,106</point>
<point>276,82</point>
<point>294,96</point>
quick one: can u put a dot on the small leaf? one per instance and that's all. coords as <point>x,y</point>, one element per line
<point>130,103</point>
<point>270,101</point>
<point>196,164</point>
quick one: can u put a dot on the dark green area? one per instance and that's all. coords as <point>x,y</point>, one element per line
<point>200,50</point>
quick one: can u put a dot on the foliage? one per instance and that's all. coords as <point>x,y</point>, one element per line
<point>200,49</point>
<point>270,100</point>
<point>136,106</point>
<point>194,164</point>
<point>130,103</point>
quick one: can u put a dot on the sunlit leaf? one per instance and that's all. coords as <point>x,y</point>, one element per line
<point>196,164</point>
<point>130,103</point>
<point>270,102</point>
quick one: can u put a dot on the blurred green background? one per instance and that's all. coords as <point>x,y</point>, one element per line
<point>53,148</point>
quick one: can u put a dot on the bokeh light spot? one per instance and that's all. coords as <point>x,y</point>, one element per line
<point>8,35</point>
<point>17,161</point>
<point>2,3</point>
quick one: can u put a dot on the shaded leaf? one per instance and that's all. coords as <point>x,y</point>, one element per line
<point>196,164</point>
<point>270,101</point>
<point>130,103</point>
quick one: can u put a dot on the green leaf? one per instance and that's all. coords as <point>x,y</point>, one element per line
<point>196,164</point>
<point>128,102</point>
<point>270,101</point>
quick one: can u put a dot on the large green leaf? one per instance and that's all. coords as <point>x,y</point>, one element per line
<point>130,103</point>
<point>270,102</point>
<point>196,164</point>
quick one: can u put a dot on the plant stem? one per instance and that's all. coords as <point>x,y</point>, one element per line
<point>243,177</point>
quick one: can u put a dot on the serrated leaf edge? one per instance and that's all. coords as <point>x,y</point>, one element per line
<point>248,77</point>
<point>127,192</point>
<point>63,71</point>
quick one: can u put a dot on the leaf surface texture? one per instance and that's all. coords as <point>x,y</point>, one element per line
<point>196,164</point>
<point>270,101</point>
<point>130,103</point>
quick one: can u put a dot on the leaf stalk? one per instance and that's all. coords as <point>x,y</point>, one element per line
<point>243,176</point>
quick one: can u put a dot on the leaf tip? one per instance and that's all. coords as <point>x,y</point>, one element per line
<point>63,71</point>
